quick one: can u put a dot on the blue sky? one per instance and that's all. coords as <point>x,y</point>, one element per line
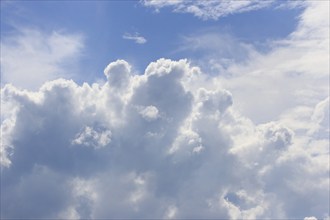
<point>103,23</point>
<point>160,109</point>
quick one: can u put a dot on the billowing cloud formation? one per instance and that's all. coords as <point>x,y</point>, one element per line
<point>135,37</point>
<point>155,145</point>
<point>210,9</point>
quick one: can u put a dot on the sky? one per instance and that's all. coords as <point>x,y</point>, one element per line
<point>165,109</point>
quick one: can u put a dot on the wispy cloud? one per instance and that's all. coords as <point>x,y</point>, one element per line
<point>31,57</point>
<point>135,37</point>
<point>211,9</point>
<point>294,72</point>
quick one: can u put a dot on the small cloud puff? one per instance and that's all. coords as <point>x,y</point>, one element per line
<point>149,113</point>
<point>92,138</point>
<point>136,37</point>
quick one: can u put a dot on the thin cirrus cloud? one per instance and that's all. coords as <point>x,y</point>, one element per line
<point>136,37</point>
<point>211,9</point>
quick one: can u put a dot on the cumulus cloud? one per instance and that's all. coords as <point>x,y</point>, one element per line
<point>46,55</point>
<point>136,37</point>
<point>211,9</point>
<point>155,145</point>
<point>174,142</point>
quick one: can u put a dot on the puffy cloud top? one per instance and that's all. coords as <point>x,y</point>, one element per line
<point>118,73</point>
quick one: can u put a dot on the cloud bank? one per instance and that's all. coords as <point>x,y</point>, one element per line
<point>174,141</point>
<point>155,145</point>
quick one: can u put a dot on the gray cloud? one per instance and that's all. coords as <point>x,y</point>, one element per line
<point>156,145</point>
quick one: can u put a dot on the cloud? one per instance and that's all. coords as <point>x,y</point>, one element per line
<point>310,218</point>
<point>136,37</point>
<point>214,51</point>
<point>90,137</point>
<point>31,57</point>
<point>150,112</point>
<point>299,69</point>
<point>155,145</point>
<point>174,141</point>
<point>211,9</point>
<point>291,74</point>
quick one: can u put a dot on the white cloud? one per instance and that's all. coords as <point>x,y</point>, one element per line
<point>136,37</point>
<point>214,51</point>
<point>156,148</point>
<point>118,74</point>
<point>292,74</point>
<point>149,113</point>
<point>172,142</point>
<point>310,218</point>
<point>299,70</point>
<point>90,137</point>
<point>31,57</point>
<point>210,9</point>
